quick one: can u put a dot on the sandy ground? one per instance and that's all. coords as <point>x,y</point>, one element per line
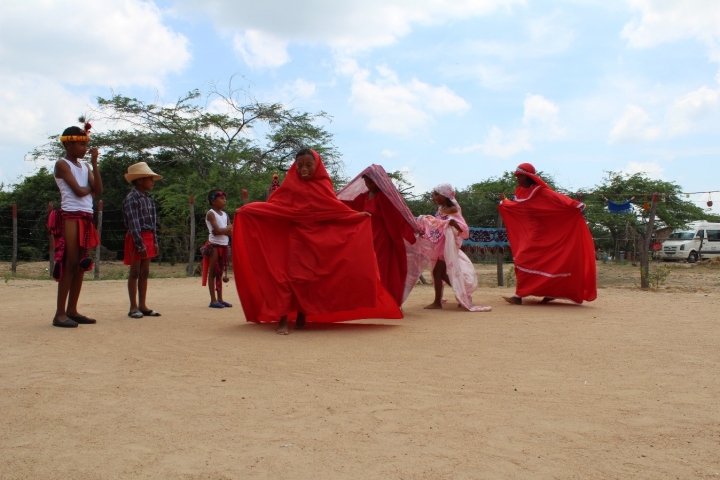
<point>624,387</point>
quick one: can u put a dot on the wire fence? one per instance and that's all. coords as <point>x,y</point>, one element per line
<point>24,238</point>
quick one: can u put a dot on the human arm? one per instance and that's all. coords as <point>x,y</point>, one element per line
<point>245,197</point>
<point>94,179</point>
<point>63,172</point>
<point>215,229</point>
<point>131,215</point>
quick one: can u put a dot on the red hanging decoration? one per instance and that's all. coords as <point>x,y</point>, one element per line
<point>709,202</point>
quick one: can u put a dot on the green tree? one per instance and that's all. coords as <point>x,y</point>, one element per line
<point>624,231</point>
<point>228,141</point>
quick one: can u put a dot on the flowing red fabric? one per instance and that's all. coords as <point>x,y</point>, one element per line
<point>304,250</point>
<point>390,231</point>
<point>552,248</point>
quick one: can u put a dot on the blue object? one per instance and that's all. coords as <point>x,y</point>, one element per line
<point>619,208</point>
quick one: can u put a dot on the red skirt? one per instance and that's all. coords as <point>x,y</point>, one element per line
<point>132,254</point>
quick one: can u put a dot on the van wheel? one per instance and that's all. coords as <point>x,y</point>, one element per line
<point>693,257</point>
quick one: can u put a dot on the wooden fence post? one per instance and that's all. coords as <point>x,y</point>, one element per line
<point>499,258</point>
<point>191,261</point>
<point>99,245</point>
<point>645,250</point>
<point>51,245</point>
<point>15,246</point>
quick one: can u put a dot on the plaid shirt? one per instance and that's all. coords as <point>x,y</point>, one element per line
<point>140,216</point>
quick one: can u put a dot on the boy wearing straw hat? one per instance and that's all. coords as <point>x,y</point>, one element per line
<point>141,242</point>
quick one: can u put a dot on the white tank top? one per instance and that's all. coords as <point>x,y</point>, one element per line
<point>70,202</point>
<point>221,220</point>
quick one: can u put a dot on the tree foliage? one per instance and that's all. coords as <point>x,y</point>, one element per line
<point>224,140</point>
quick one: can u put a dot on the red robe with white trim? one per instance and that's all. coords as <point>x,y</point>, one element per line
<point>552,248</point>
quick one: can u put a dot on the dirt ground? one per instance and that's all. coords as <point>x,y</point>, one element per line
<point>623,387</point>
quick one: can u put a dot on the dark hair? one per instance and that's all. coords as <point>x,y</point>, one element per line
<point>213,194</point>
<point>304,151</point>
<point>73,131</point>
<point>449,203</point>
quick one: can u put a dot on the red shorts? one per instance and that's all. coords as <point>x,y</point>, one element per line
<point>132,254</point>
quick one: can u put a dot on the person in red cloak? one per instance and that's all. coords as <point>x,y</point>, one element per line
<point>552,248</point>
<point>305,254</point>
<point>394,228</point>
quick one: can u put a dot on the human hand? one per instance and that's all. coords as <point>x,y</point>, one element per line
<point>143,254</point>
<point>502,197</point>
<point>94,155</point>
<point>244,194</point>
<point>455,225</point>
<point>157,248</point>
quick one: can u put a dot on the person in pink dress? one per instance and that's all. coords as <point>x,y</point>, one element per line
<point>446,230</point>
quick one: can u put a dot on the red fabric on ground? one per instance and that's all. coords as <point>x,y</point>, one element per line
<point>132,254</point>
<point>304,250</point>
<point>552,248</point>
<point>389,229</point>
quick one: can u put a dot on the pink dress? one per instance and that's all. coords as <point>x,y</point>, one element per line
<point>446,246</point>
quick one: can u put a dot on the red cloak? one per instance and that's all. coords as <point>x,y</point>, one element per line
<point>304,250</point>
<point>390,231</point>
<point>552,248</point>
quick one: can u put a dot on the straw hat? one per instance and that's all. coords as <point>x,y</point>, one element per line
<point>140,170</point>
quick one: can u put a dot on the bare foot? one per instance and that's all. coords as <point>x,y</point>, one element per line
<point>547,300</point>
<point>283,326</point>
<point>434,306</point>
<point>300,321</point>
<point>513,300</point>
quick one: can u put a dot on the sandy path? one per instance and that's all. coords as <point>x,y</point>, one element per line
<point>625,387</point>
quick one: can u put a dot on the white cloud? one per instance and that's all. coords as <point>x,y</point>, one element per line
<point>395,107</point>
<point>544,36</point>
<point>33,107</point>
<point>344,26</point>
<point>298,89</point>
<point>664,21</point>
<point>499,144</point>
<point>389,154</point>
<point>634,126</point>
<point>540,122</point>
<point>121,42</point>
<point>683,116</point>
<point>688,110</point>
<point>260,50</point>
<point>651,169</point>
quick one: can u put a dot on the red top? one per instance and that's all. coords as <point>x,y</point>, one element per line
<point>552,248</point>
<point>304,250</point>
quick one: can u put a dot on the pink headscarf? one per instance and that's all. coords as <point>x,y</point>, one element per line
<point>447,191</point>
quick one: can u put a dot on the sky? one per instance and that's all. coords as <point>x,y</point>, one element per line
<point>454,91</point>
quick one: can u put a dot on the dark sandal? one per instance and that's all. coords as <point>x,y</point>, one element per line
<point>64,324</point>
<point>149,313</point>
<point>82,319</point>
<point>135,314</point>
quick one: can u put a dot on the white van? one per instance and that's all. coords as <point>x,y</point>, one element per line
<point>698,240</point>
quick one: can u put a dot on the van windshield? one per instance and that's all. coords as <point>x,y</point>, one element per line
<point>681,236</point>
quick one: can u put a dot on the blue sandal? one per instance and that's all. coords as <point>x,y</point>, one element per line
<point>216,305</point>
<point>226,304</point>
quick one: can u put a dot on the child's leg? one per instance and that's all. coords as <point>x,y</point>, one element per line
<point>133,284</point>
<point>283,326</point>
<point>212,276</point>
<point>70,269</point>
<point>439,273</point>
<point>300,321</point>
<point>76,285</point>
<point>142,283</point>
